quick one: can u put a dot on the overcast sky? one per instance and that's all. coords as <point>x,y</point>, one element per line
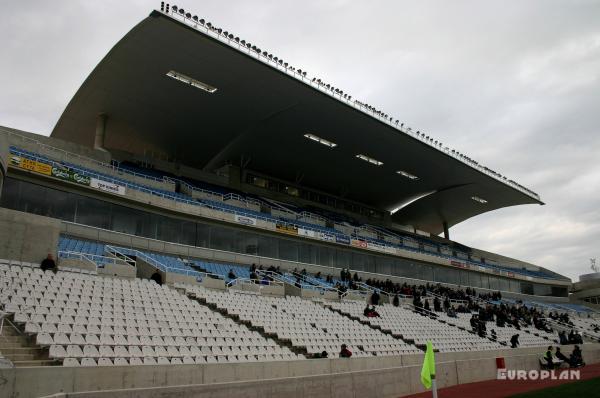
<point>513,84</point>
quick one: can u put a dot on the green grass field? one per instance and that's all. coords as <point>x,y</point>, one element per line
<point>583,389</point>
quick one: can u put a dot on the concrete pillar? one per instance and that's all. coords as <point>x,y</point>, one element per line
<point>446,232</point>
<point>100,131</point>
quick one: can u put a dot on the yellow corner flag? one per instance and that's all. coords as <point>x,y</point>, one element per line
<point>428,366</point>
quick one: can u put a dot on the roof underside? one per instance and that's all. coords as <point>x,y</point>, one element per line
<point>258,117</point>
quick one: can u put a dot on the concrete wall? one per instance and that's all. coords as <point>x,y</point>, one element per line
<point>27,237</point>
<point>76,263</point>
<point>360,377</point>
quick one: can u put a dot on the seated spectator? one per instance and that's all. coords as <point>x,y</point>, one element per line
<point>452,313</point>
<point>324,354</point>
<point>231,275</point>
<point>157,277</point>
<point>514,341</point>
<point>549,358</point>
<point>396,301</point>
<point>345,352</point>
<point>48,264</point>
<point>562,338</point>
<point>576,359</point>
<point>559,355</point>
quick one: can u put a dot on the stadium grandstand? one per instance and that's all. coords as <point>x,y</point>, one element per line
<point>219,223</point>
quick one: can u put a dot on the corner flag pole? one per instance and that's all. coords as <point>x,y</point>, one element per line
<point>428,370</point>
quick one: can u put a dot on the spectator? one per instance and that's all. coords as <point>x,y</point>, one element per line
<point>231,275</point>
<point>345,352</point>
<point>437,305</point>
<point>324,354</point>
<point>576,359</point>
<point>514,341</point>
<point>343,275</point>
<point>562,338</point>
<point>375,298</point>
<point>559,355</point>
<point>426,306</point>
<point>253,276</point>
<point>549,358</point>
<point>396,301</point>
<point>48,264</point>
<point>157,277</point>
<point>452,313</point>
<point>356,278</point>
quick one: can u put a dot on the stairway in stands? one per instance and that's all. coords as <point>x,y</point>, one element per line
<point>375,327</point>
<point>248,324</point>
<point>20,349</point>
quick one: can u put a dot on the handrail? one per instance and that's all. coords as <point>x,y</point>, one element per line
<point>237,281</point>
<point>315,228</point>
<point>78,156</point>
<point>160,265</point>
<point>92,257</point>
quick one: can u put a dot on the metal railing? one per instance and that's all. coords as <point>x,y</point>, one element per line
<point>79,157</point>
<point>95,259</point>
<point>159,265</point>
<point>216,206</point>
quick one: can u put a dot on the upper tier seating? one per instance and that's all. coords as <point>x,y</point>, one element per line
<point>406,243</point>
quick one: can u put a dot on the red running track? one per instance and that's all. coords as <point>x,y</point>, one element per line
<point>504,388</point>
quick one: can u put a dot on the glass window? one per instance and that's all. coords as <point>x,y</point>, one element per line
<point>93,212</point>
<point>126,220</point>
<point>288,250</point>
<point>10,194</point>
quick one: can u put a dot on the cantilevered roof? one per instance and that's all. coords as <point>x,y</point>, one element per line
<point>258,117</point>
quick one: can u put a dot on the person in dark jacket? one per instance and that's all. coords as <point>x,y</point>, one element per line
<point>396,301</point>
<point>375,298</point>
<point>345,352</point>
<point>157,277</point>
<point>514,341</point>
<point>48,263</point>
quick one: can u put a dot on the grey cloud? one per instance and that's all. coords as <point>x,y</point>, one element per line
<point>516,85</point>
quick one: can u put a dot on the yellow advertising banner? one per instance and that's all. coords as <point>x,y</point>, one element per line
<point>31,165</point>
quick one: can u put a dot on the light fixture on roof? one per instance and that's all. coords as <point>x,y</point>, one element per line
<point>369,159</point>
<point>407,175</point>
<point>320,140</point>
<point>478,199</point>
<point>192,82</point>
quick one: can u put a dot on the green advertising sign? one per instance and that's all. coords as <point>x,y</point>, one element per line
<point>71,176</point>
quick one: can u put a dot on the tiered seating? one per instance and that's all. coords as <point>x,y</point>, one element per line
<point>404,322</point>
<point>88,320</point>
<point>305,324</point>
<point>528,336</point>
<point>406,243</point>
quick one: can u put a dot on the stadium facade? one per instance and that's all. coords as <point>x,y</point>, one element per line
<point>222,218</point>
<point>187,135</point>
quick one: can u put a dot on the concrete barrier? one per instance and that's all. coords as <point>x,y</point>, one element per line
<point>359,377</point>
